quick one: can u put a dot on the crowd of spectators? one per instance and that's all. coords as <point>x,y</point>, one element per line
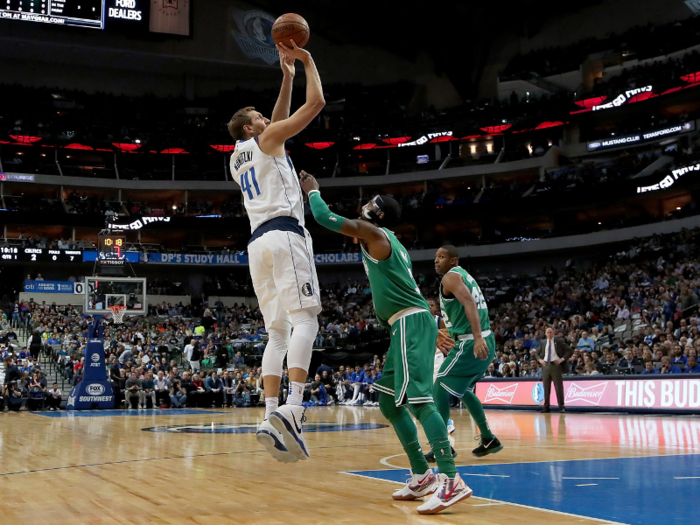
<point>660,75</point>
<point>641,42</point>
<point>635,312</point>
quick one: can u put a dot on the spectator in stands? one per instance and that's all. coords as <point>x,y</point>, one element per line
<point>132,388</point>
<point>53,398</point>
<point>329,385</point>
<point>590,369</point>
<point>16,397</point>
<point>188,386</point>
<point>492,372</point>
<point>12,373</point>
<point>178,393</point>
<point>228,388</point>
<point>316,391</point>
<point>693,366</point>
<point>678,359</point>
<point>36,393</point>
<point>148,390</point>
<point>215,389</point>
<point>35,343</point>
<point>241,392</point>
<point>535,370</point>
<point>162,389</point>
<point>199,395</point>
<point>525,370</point>
<point>585,343</point>
<point>649,368</point>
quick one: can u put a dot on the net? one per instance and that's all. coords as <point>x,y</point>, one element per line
<point>118,312</point>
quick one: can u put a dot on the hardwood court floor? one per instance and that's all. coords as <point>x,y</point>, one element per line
<point>177,467</point>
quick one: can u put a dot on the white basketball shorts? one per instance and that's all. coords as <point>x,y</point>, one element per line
<point>284,275</point>
<point>439,359</point>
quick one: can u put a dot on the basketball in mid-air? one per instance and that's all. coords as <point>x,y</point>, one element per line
<point>291,27</point>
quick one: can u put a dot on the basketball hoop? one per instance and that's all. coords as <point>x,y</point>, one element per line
<point>118,312</point>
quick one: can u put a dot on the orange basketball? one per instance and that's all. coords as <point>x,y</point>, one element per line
<point>291,27</point>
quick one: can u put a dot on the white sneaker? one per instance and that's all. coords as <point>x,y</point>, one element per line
<point>450,426</point>
<point>288,420</point>
<point>417,487</point>
<point>270,438</point>
<point>448,492</point>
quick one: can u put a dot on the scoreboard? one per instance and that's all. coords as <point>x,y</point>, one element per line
<point>14,253</point>
<point>97,14</point>
<point>111,249</point>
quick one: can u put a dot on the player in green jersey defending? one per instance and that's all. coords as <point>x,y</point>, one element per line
<point>408,373</point>
<point>466,318</point>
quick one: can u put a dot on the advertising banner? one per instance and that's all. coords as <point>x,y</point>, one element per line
<point>48,286</point>
<point>134,223</point>
<point>238,259</point>
<point>614,142</point>
<point>649,392</point>
<point>91,256</point>
<point>669,180</point>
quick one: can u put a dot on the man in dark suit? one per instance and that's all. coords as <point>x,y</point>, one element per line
<point>553,354</point>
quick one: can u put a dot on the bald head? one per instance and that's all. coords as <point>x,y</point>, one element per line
<point>451,251</point>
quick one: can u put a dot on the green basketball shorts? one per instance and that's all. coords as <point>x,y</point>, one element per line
<point>461,370</point>
<point>408,372</point>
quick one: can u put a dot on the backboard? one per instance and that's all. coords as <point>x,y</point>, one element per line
<point>102,292</point>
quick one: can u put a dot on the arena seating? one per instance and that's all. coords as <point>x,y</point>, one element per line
<point>640,306</point>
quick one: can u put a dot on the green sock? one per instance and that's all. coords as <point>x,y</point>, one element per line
<point>476,409</point>
<point>406,431</point>
<point>441,397</point>
<point>436,431</point>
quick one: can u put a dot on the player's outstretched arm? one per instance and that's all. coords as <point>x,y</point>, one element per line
<point>276,133</point>
<point>377,243</point>
<point>284,101</point>
<point>452,283</point>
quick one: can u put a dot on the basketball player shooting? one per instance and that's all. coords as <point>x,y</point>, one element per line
<point>280,251</point>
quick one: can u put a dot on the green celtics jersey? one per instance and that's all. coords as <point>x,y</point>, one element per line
<point>453,312</point>
<point>391,280</point>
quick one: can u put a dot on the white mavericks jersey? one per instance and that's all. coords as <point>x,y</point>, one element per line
<point>270,185</point>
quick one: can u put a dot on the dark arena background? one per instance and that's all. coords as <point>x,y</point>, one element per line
<point>553,143</point>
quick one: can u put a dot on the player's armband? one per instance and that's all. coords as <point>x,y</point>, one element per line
<point>323,215</point>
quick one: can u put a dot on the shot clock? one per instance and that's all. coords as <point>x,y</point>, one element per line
<point>111,249</point>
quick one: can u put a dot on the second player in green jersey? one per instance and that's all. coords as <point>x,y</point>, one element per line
<point>466,317</point>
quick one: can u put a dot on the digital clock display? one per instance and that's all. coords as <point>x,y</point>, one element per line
<point>111,250</point>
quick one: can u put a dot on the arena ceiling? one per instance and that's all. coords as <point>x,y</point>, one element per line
<point>458,35</point>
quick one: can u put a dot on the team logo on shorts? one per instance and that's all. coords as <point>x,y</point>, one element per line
<point>307,290</point>
<point>538,393</point>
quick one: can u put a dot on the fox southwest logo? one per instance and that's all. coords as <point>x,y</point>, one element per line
<point>503,394</point>
<point>591,394</point>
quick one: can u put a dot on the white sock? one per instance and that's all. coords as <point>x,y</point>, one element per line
<point>271,404</point>
<point>296,393</point>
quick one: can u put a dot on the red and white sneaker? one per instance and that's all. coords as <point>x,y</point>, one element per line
<point>448,492</point>
<point>417,487</point>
